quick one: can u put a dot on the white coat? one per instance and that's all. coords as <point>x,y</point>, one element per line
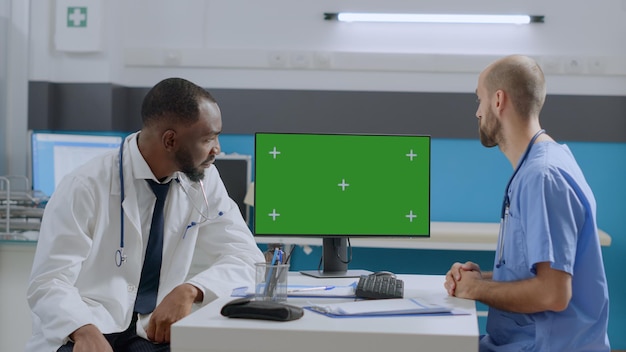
<point>75,280</point>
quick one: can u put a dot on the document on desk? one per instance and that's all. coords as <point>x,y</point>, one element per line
<point>379,307</point>
<point>332,291</point>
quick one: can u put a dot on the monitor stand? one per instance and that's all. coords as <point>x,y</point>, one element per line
<point>335,265</point>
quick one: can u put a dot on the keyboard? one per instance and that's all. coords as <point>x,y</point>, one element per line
<point>379,287</point>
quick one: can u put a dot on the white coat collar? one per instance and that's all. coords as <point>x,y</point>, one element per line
<point>140,168</point>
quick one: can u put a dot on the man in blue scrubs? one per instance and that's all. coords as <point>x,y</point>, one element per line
<point>548,289</point>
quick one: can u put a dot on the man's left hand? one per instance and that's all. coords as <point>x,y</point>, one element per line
<point>175,306</point>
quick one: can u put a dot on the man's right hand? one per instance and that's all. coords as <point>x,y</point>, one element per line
<point>454,275</point>
<point>88,338</point>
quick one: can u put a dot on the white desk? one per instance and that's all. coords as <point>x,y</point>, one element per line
<point>206,330</point>
<point>466,236</point>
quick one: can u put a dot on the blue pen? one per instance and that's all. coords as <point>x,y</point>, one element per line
<point>317,288</point>
<point>268,278</point>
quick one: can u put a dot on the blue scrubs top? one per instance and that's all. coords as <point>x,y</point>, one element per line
<point>552,218</point>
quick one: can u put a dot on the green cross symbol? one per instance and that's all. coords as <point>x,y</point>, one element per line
<point>77,17</point>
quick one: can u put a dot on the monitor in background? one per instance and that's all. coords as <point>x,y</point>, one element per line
<point>235,172</point>
<point>55,153</point>
<point>337,186</point>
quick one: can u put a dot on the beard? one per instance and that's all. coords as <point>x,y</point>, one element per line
<point>490,132</point>
<point>185,163</point>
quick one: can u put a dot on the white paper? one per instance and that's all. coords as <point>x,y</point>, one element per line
<point>394,306</point>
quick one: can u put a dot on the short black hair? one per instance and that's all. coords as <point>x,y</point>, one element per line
<point>176,99</point>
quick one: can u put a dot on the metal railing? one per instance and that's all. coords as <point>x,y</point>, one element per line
<point>21,209</point>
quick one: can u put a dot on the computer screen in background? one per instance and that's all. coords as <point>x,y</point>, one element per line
<point>54,154</point>
<point>337,186</point>
<point>235,171</point>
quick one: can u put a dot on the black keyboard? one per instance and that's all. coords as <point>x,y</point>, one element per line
<point>379,287</point>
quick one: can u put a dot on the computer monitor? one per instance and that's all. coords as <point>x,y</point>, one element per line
<point>337,186</point>
<point>55,153</point>
<point>235,171</point>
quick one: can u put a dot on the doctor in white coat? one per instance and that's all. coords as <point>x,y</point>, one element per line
<point>95,230</point>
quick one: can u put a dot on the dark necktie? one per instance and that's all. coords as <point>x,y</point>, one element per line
<point>150,273</point>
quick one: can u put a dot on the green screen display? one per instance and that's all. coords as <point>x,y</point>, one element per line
<point>342,185</point>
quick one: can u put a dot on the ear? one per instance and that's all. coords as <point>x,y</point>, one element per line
<point>169,140</point>
<point>499,100</point>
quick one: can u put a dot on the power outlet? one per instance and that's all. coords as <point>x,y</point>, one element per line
<point>551,65</point>
<point>574,64</point>
<point>596,65</point>
<point>322,60</point>
<point>277,59</point>
<point>300,60</point>
<point>172,57</point>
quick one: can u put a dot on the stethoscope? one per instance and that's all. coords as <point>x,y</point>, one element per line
<point>120,257</point>
<point>504,213</point>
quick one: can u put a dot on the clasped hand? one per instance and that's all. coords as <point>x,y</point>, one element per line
<point>461,278</point>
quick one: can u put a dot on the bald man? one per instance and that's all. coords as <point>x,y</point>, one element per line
<point>547,290</point>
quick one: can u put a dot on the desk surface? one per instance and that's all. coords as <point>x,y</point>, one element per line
<point>206,330</point>
<point>443,235</point>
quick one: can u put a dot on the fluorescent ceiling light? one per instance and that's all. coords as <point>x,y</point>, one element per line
<point>432,18</point>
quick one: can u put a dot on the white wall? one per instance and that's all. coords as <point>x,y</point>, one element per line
<point>4,20</point>
<point>13,111</point>
<point>235,44</point>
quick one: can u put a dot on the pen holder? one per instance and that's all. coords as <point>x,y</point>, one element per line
<point>271,282</point>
